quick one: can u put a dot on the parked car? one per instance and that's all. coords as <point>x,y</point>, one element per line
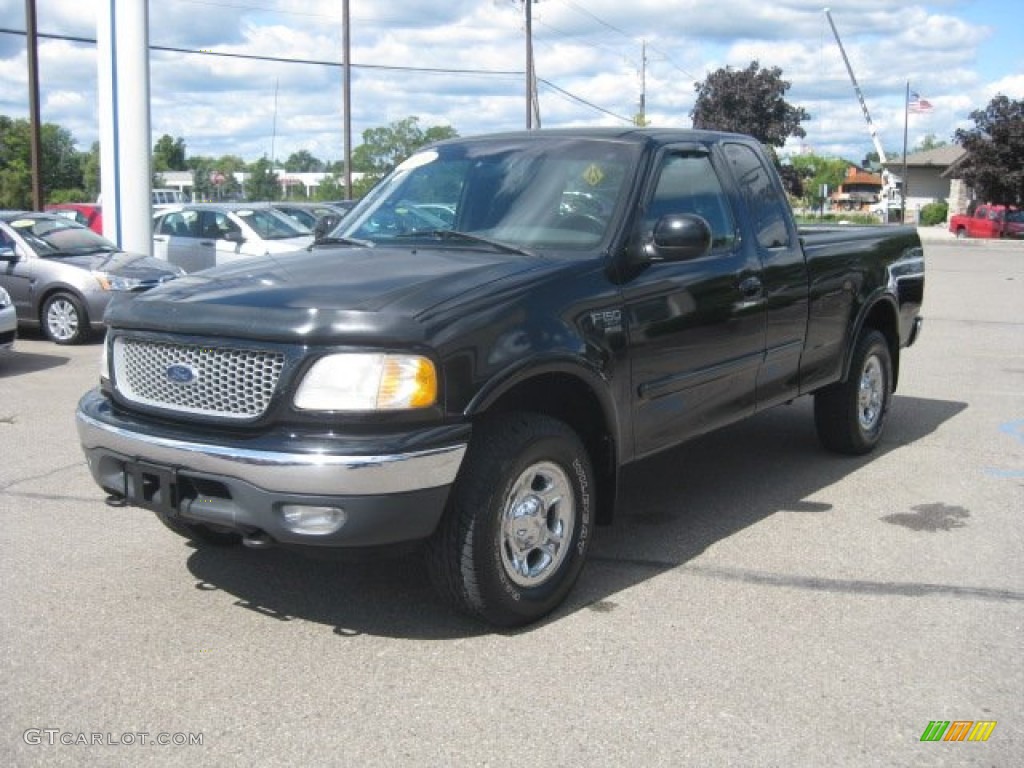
<point>87,214</point>
<point>8,321</point>
<point>202,235</point>
<point>61,275</point>
<point>308,214</point>
<point>988,221</point>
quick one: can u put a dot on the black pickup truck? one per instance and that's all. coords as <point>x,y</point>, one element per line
<point>468,361</point>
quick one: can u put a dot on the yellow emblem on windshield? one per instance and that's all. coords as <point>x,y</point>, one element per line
<point>593,175</point>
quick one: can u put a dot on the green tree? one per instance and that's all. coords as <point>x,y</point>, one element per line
<point>817,172</point>
<point>930,141</point>
<point>169,154</point>
<point>994,165</point>
<point>60,163</point>
<point>303,161</point>
<point>385,147</point>
<point>330,188</point>
<point>750,101</point>
<point>91,179</point>
<point>262,184</point>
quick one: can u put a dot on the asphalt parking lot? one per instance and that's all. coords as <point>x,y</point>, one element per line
<point>757,603</point>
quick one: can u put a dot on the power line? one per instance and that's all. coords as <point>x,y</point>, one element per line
<point>320,62</point>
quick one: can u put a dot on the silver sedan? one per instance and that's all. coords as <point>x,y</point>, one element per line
<point>61,275</point>
<point>8,321</point>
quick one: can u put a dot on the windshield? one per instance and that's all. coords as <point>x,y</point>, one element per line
<point>531,193</point>
<point>58,236</point>
<point>271,225</point>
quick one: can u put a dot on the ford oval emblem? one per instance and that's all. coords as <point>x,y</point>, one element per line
<point>179,373</point>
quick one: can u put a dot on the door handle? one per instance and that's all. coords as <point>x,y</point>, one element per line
<point>751,287</point>
<point>206,242</point>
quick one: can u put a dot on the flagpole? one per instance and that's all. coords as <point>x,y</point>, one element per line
<point>903,186</point>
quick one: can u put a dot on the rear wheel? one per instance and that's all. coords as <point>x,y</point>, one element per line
<point>64,319</point>
<point>850,415</point>
<point>516,532</point>
<point>961,233</point>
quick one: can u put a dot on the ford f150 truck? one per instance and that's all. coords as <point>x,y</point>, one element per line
<point>468,361</point>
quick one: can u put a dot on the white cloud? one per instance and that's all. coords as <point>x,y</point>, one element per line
<point>589,48</point>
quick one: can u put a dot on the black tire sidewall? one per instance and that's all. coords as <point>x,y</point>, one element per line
<point>501,600</point>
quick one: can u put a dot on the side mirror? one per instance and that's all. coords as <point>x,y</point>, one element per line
<point>7,253</point>
<point>324,225</point>
<point>678,237</point>
<point>234,236</point>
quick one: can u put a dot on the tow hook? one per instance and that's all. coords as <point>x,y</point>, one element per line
<point>257,540</point>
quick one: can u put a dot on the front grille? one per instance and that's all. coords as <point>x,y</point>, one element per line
<point>225,382</point>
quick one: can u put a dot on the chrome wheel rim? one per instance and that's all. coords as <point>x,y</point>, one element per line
<point>62,319</point>
<point>537,523</point>
<point>871,394</point>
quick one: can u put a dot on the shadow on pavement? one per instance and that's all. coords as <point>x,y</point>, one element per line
<point>672,507</point>
<point>17,362</point>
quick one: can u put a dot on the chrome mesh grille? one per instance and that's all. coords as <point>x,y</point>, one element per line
<point>212,381</point>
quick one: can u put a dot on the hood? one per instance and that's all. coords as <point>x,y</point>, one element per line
<point>285,245</point>
<point>122,264</point>
<point>321,295</point>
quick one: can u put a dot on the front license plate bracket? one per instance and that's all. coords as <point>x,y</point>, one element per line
<point>152,487</point>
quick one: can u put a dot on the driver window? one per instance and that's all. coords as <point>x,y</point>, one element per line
<point>687,183</point>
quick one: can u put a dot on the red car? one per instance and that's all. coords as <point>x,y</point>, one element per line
<point>989,221</point>
<point>87,214</point>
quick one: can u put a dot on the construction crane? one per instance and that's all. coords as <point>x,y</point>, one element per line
<point>863,105</point>
<point>891,184</point>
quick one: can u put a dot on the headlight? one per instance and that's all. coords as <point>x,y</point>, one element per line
<point>368,382</point>
<point>5,298</point>
<point>110,282</point>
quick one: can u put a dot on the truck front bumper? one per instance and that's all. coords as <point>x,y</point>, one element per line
<point>386,497</point>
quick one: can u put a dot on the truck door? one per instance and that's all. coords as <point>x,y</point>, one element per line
<point>783,273</point>
<point>696,328</point>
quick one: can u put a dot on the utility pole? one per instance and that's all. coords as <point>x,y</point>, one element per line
<point>532,105</point>
<point>642,117</point>
<point>35,127</point>
<point>347,98</point>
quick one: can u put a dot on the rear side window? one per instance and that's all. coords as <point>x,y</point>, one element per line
<point>769,212</point>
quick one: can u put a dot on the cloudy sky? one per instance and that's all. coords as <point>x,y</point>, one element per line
<point>460,63</point>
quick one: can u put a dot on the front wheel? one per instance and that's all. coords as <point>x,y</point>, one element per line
<point>961,234</point>
<point>64,319</point>
<point>516,532</point>
<point>850,415</point>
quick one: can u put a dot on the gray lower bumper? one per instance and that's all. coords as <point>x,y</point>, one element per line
<point>387,499</point>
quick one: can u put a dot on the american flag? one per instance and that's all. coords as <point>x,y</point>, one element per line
<point>917,104</point>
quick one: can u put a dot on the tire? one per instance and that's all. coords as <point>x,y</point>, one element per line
<point>516,531</point>
<point>64,319</point>
<point>201,534</point>
<point>961,234</point>
<point>850,415</point>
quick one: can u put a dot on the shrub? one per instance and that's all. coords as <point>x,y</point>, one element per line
<point>934,213</point>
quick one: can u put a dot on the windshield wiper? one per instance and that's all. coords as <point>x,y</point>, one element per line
<point>466,237</point>
<point>339,241</point>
